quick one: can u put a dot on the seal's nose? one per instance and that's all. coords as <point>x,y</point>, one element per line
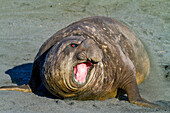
<point>89,50</point>
<point>81,55</point>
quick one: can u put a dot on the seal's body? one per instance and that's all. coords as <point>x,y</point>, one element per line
<point>91,59</point>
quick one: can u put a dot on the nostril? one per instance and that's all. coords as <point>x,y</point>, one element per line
<point>81,55</point>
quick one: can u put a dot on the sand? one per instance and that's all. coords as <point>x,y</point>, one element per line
<point>25,25</point>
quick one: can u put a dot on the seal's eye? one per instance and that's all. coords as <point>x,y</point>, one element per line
<point>74,45</point>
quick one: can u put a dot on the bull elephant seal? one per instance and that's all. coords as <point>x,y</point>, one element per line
<point>91,59</point>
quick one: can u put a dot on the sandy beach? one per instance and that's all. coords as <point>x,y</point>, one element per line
<point>25,25</point>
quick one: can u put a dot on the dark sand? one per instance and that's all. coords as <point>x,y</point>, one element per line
<point>26,24</point>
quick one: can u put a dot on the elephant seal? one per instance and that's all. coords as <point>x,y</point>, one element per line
<point>90,60</point>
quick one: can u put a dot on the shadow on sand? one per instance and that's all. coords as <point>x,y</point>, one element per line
<point>21,75</point>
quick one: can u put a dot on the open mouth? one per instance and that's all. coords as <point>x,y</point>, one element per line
<point>81,71</point>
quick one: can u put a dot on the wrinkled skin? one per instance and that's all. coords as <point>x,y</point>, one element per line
<point>119,61</point>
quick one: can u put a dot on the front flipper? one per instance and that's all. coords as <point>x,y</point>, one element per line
<point>22,88</point>
<point>143,103</point>
<point>135,98</point>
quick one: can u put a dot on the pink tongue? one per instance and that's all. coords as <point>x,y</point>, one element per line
<point>80,71</point>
